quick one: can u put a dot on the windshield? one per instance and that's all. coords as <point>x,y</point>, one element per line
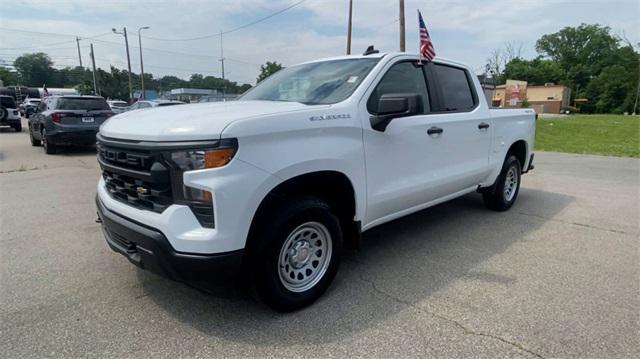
<point>324,82</point>
<point>82,103</point>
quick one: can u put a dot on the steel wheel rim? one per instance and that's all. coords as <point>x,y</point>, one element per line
<point>304,257</point>
<point>510,184</point>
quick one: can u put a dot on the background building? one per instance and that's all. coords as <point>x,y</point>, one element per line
<point>547,98</point>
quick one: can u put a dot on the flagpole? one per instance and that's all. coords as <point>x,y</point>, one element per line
<point>419,42</point>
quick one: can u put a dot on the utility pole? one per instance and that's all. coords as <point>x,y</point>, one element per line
<point>224,87</point>
<point>349,28</point>
<point>635,105</point>
<point>93,63</point>
<point>79,56</point>
<point>126,43</point>
<point>141,64</point>
<point>402,38</point>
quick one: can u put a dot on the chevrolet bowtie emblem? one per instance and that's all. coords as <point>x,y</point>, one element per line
<point>142,190</point>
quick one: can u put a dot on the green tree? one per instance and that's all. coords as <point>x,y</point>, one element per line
<point>7,77</point>
<point>582,52</point>
<point>268,69</point>
<point>36,69</point>
<point>536,71</point>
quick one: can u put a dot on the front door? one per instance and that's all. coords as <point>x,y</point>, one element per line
<point>400,160</point>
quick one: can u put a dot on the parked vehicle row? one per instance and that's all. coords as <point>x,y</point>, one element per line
<point>62,121</point>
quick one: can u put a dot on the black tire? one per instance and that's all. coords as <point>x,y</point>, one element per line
<point>49,148</point>
<point>17,127</point>
<point>34,142</point>
<point>287,225</point>
<point>3,113</point>
<point>496,198</point>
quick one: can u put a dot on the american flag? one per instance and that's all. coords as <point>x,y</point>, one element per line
<point>426,46</point>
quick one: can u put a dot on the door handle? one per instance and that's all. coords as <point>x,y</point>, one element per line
<point>483,126</point>
<point>434,130</point>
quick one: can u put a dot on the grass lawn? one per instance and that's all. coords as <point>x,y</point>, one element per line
<point>611,135</point>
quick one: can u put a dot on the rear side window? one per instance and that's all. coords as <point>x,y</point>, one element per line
<point>8,102</point>
<point>79,103</point>
<point>457,94</point>
<point>402,78</point>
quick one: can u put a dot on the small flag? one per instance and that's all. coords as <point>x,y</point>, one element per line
<point>45,92</point>
<point>426,46</point>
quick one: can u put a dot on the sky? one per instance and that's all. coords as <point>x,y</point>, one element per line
<point>464,30</point>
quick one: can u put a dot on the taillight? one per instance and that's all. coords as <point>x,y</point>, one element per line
<point>57,116</point>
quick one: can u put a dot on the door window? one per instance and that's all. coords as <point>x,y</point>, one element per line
<point>404,78</point>
<point>455,87</point>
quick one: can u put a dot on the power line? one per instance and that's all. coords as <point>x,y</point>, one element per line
<point>232,30</point>
<point>101,41</point>
<point>45,46</point>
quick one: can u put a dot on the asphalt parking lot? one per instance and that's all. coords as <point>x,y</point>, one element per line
<point>556,276</point>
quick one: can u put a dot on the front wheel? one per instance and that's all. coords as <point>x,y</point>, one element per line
<point>34,142</point>
<point>296,254</point>
<point>505,191</point>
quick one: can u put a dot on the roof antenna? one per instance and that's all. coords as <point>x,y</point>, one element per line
<point>370,50</point>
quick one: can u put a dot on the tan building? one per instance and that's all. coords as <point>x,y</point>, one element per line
<point>547,98</point>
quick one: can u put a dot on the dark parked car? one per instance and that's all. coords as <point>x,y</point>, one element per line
<point>67,120</point>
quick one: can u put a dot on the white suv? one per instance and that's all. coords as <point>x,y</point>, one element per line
<point>9,113</point>
<point>280,180</point>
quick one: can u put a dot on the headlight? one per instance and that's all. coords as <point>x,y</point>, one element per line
<point>201,159</point>
<point>197,159</point>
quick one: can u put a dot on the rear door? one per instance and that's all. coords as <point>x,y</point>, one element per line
<point>466,128</point>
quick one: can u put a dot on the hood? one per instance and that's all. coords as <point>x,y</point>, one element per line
<point>201,121</point>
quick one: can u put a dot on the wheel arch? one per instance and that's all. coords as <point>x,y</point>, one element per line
<point>519,149</point>
<point>333,187</point>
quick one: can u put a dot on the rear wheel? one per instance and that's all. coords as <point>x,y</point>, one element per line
<point>49,148</point>
<point>296,254</point>
<point>17,127</point>
<point>504,192</point>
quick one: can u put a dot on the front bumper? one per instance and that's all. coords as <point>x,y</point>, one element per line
<point>149,249</point>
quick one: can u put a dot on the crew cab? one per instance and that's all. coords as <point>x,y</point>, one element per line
<point>279,181</point>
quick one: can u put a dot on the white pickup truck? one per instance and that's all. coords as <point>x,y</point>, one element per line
<point>277,183</point>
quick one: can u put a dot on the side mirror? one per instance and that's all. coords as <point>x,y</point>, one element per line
<point>392,106</point>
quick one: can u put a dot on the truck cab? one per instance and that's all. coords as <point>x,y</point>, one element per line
<point>279,181</point>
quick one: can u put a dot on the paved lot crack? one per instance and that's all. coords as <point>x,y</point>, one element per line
<point>465,329</point>
<point>23,169</point>
<point>573,223</point>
